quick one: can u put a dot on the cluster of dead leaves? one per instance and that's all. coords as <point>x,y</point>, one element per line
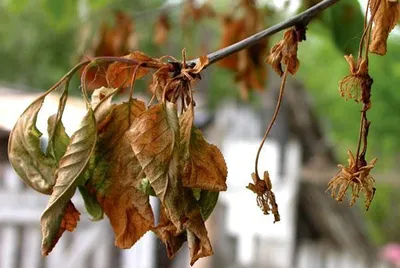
<point>113,40</point>
<point>123,153</point>
<point>248,64</point>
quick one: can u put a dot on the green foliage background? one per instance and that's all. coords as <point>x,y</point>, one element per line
<point>39,41</point>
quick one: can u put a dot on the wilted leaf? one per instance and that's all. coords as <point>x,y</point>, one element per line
<point>200,64</point>
<point>117,176</point>
<point>120,74</point>
<point>116,39</point>
<point>196,233</point>
<point>160,80</point>
<point>285,52</point>
<point>204,164</point>
<point>58,138</point>
<point>71,166</point>
<point>69,222</point>
<point>31,164</point>
<point>168,234</point>
<point>154,138</point>
<point>92,206</point>
<point>198,241</point>
<point>207,202</point>
<point>385,14</point>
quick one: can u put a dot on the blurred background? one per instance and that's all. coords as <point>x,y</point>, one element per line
<point>40,40</point>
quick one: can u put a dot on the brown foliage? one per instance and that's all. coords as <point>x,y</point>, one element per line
<point>285,52</point>
<point>385,14</point>
<point>248,64</point>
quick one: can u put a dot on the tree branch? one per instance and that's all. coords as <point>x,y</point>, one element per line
<point>301,19</point>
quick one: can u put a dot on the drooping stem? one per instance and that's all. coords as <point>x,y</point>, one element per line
<point>274,116</point>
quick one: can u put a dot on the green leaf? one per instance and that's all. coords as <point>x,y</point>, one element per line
<point>146,188</point>
<point>58,143</point>
<point>24,152</point>
<point>208,201</point>
<point>92,206</point>
<point>58,138</point>
<point>71,166</point>
<point>346,21</point>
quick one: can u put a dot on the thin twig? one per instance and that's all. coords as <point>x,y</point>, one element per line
<point>301,19</point>
<point>274,116</point>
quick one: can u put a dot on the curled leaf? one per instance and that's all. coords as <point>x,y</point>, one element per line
<point>58,138</point>
<point>198,241</point>
<point>71,166</point>
<point>169,235</point>
<point>204,164</point>
<point>385,14</point>
<point>285,52</point>
<point>92,207</point>
<point>117,176</point>
<point>24,152</point>
<point>68,223</point>
<point>120,74</point>
<point>207,202</point>
<point>154,138</point>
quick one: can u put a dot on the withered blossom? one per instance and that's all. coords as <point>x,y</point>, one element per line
<point>265,197</point>
<point>356,176</point>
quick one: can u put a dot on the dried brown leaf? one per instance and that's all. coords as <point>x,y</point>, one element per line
<point>117,175</point>
<point>114,40</point>
<point>385,14</point>
<point>168,234</point>
<point>120,74</point>
<point>68,223</point>
<point>154,138</point>
<point>204,164</point>
<point>285,52</point>
<point>198,241</point>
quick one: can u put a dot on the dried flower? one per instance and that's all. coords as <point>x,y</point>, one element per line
<point>356,85</point>
<point>265,197</point>
<point>357,176</point>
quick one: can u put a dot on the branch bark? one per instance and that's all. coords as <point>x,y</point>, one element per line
<point>301,19</point>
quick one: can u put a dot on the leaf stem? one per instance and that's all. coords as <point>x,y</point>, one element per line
<point>301,19</point>
<point>275,115</point>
